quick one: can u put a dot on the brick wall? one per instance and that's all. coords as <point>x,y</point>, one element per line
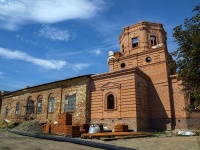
<point>158,99</point>
<point>58,90</point>
<point>122,84</point>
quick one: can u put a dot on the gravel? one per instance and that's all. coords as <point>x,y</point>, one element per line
<point>29,127</point>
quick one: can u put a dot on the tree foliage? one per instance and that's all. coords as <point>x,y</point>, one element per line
<point>187,55</point>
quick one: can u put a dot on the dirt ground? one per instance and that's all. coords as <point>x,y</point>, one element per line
<point>162,142</point>
<point>10,141</point>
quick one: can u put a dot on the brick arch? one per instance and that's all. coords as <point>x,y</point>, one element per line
<point>39,96</point>
<point>29,98</point>
<point>50,95</point>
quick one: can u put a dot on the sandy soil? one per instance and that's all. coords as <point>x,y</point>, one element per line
<point>10,141</point>
<point>162,142</point>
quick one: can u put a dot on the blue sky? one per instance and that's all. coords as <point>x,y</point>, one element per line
<point>43,41</point>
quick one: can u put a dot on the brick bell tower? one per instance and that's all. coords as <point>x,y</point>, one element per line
<point>144,45</point>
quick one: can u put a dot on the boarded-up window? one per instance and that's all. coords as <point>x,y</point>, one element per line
<point>70,103</point>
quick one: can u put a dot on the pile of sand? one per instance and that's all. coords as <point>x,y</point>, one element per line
<point>29,127</point>
<point>2,123</point>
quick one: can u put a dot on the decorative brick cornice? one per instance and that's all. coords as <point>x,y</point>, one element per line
<point>134,70</point>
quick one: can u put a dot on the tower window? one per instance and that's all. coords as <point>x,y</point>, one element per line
<point>153,40</point>
<point>122,48</point>
<point>122,65</point>
<point>148,59</point>
<point>110,101</point>
<point>134,42</point>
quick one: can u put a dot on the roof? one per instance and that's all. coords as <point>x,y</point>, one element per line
<point>30,87</point>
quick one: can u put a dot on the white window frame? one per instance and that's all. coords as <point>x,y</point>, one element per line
<point>17,109</point>
<point>70,103</point>
<point>39,107</point>
<point>51,105</point>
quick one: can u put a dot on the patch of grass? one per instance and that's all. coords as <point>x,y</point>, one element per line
<point>10,126</point>
<point>157,134</point>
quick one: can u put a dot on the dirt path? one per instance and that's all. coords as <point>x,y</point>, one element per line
<point>10,141</point>
<point>158,143</point>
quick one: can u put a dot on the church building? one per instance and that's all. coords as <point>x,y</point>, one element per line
<point>139,90</point>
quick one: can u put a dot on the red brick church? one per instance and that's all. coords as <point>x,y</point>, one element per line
<point>139,90</point>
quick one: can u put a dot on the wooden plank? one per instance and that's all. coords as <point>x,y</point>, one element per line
<point>111,134</point>
<point>124,137</point>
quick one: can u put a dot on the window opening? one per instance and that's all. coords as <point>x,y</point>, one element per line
<point>30,107</point>
<point>110,101</point>
<point>148,59</point>
<point>51,104</point>
<point>194,103</point>
<point>39,108</point>
<point>122,65</point>
<point>70,103</point>
<point>17,109</point>
<point>122,48</point>
<point>6,113</point>
<point>134,42</point>
<point>153,40</point>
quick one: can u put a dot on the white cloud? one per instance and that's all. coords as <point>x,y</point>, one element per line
<point>1,75</point>
<point>96,51</point>
<point>80,66</point>
<point>18,12</point>
<point>54,33</point>
<point>26,40</point>
<point>48,64</point>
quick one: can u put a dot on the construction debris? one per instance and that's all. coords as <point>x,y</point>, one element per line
<point>32,126</point>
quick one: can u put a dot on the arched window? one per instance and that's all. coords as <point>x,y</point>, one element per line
<point>39,105</point>
<point>51,103</point>
<point>30,106</point>
<point>6,113</point>
<point>110,101</point>
<point>17,108</point>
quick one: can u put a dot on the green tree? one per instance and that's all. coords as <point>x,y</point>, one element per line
<point>187,55</point>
